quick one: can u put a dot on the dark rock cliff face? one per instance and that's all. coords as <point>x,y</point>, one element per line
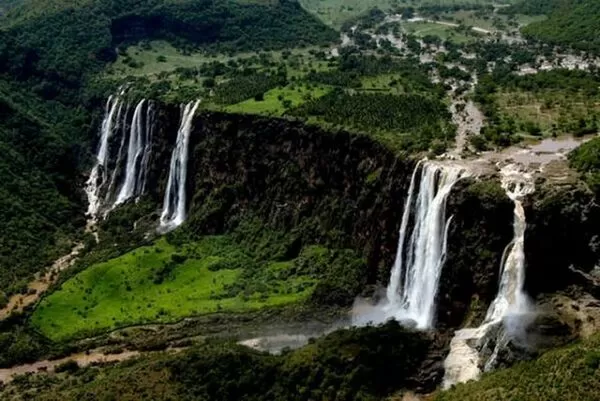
<point>339,189</point>
<point>563,230</point>
<point>481,229</point>
<point>345,190</point>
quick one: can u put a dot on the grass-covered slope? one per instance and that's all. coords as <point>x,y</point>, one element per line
<point>166,281</point>
<point>568,374</point>
<point>573,23</point>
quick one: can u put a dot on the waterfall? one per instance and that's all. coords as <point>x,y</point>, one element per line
<point>136,131</point>
<point>421,250</point>
<point>122,127</point>
<point>134,155</point>
<point>511,297</point>
<point>148,135</point>
<point>99,172</point>
<point>174,206</point>
<point>464,361</point>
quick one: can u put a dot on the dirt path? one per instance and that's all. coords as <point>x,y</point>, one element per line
<point>82,359</point>
<point>468,120</point>
<point>18,302</point>
<point>7,375</point>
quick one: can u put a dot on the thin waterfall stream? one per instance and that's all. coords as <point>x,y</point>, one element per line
<point>465,362</point>
<point>99,173</point>
<point>174,205</point>
<point>134,155</point>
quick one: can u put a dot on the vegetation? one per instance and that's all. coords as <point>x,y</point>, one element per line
<point>573,23</point>
<point>382,96</point>
<point>533,7</point>
<point>241,88</point>
<point>349,364</point>
<point>415,116</point>
<point>276,101</point>
<point>51,53</point>
<point>547,103</point>
<point>169,280</point>
<point>38,181</point>
<point>64,38</point>
<point>570,373</point>
<point>586,160</point>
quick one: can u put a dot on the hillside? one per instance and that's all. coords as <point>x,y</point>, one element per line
<point>570,23</point>
<point>232,200</point>
<point>49,54</point>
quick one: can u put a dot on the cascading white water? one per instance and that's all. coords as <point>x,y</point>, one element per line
<point>122,127</point>
<point>148,135</point>
<point>511,297</point>
<point>98,175</point>
<point>174,206</point>
<point>135,150</point>
<point>415,276</point>
<point>132,160</point>
<point>464,362</point>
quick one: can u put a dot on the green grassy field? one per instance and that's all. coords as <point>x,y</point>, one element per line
<point>274,102</point>
<point>163,282</point>
<point>159,56</point>
<point>444,32</point>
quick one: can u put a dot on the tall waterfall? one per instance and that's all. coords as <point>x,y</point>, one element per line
<point>122,127</point>
<point>174,206</point>
<point>421,250</point>
<point>99,173</point>
<point>135,151</point>
<point>131,163</point>
<point>464,361</point>
<point>148,136</point>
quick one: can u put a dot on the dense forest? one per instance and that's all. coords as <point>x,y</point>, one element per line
<point>571,23</point>
<point>420,118</point>
<point>39,196</point>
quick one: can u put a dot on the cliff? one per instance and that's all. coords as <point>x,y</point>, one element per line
<point>348,191</point>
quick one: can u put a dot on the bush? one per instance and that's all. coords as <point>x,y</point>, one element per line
<point>69,366</point>
<point>3,300</point>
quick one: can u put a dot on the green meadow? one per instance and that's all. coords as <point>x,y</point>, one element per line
<point>165,282</point>
<point>278,100</point>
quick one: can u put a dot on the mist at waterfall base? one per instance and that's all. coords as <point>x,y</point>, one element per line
<point>411,293</point>
<point>511,313</point>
